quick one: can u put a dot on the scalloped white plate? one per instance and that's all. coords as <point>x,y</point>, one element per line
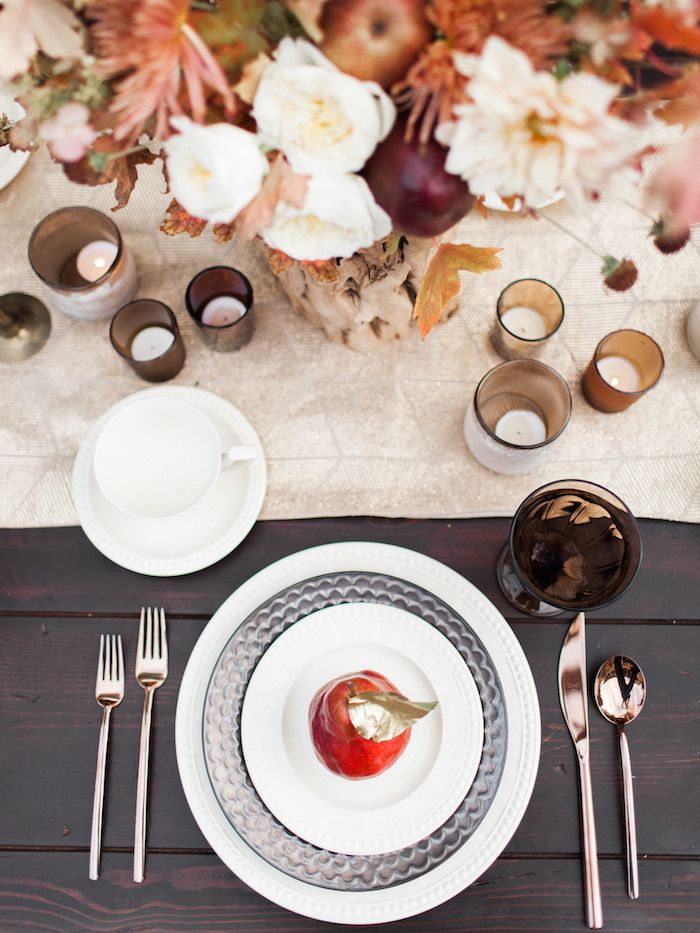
<point>468,862</point>
<point>422,789</point>
<point>169,547</point>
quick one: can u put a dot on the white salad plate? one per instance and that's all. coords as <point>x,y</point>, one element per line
<point>478,851</point>
<point>414,796</point>
<point>167,547</point>
<point>11,163</point>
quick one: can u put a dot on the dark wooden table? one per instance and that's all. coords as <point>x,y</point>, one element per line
<point>57,594</point>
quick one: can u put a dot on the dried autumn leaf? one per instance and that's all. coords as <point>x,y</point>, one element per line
<point>178,220</point>
<point>280,184</point>
<point>93,170</point>
<point>665,28</point>
<point>441,280</point>
<point>308,12</point>
<point>224,233</point>
<point>231,29</point>
<point>27,26</point>
<point>250,77</point>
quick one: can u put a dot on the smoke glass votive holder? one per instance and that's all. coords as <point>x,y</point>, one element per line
<point>79,254</point>
<point>519,411</point>
<point>146,335</point>
<point>528,313</point>
<point>220,302</point>
<point>625,366</point>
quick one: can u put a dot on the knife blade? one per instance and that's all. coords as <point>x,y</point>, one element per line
<point>573,696</point>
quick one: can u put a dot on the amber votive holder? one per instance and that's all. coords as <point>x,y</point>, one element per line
<point>528,313</point>
<point>70,240</point>
<point>145,334</point>
<point>625,366</point>
<point>220,302</point>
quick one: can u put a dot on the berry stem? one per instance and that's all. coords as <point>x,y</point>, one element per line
<point>568,232</point>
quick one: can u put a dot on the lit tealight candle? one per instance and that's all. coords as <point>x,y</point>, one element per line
<point>524,322</point>
<point>96,258</point>
<point>223,310</point>
<point>150,343</point>
<point>521,427</point>
<point>620,373</point>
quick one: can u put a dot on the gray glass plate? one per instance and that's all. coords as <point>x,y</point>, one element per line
<point>234,790</point>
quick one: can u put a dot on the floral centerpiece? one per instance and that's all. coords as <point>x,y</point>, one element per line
<point>339,131</point>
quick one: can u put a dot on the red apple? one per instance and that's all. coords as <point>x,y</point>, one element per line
<point>375,40</point>
<point>338,745</point>
<point>410,182</point>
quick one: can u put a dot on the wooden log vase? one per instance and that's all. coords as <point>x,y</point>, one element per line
<point>364,301</point>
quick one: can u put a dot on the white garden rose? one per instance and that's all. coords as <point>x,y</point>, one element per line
<point>526,133</point>
<point>325,121</point>
<point>339,216</point>
<point>214,171</point>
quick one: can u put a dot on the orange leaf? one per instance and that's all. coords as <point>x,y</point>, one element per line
<point>177,220</point>
<point>224,233</point>
<point>281,184</point>
<point>121,169</point>
<point>666,29</point>
<point>441,280</point>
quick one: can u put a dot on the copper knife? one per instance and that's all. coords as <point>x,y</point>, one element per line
<point>573,696</point>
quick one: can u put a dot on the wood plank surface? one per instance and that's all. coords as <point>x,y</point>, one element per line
<point>58,570</point>
<point>50,721</point>
<point>49,892</point>
<point>57,594</point>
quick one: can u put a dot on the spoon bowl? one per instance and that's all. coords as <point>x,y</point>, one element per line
<point>620,691</point>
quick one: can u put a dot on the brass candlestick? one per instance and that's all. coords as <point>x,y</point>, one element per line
<point>25,325</point>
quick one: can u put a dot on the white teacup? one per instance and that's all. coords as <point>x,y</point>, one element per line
<point>159,457</point>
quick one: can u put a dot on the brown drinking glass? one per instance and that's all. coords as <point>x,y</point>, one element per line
<point>80,238</point>
<point>625,365</point>
<point>528,313</point>
<point>146,335</point>
<point>219,300</point>
<point>573,545</point>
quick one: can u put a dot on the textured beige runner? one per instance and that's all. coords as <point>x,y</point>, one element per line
<point>346,433</point>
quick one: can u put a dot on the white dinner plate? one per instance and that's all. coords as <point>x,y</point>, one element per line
<point>170,547</point>
<point>11,163</point>
<point>469,860</point>
<point>421,789</point>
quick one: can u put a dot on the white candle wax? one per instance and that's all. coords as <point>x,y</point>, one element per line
<point>150,343</point>
<point>620,373</point>
<point>521,427</point>
<point>524,322</point>
<point>95,259</point>
<point>223,310</point>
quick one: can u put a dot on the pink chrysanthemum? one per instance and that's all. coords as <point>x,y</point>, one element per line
<point>150,49</point>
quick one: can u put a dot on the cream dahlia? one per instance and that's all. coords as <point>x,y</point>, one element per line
<point>526,133</point>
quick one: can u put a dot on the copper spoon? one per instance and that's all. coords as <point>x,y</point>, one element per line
<point>620,691</point>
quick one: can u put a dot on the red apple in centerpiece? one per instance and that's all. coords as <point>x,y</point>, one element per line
<point>363,702</point>
<point>410,182</point>
<point>374,40</point>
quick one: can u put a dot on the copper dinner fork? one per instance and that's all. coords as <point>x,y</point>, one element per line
<point>151,673</point>
<point>109,692</point>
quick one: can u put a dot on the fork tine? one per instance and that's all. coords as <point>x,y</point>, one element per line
<point>149,633</point>
<point>107,672</point>
<point>115,659</point>
<point>163,637</point>
<point>101,661</point>
<point>120,661</point>
<point>154,634</point>
<point>139,647</point>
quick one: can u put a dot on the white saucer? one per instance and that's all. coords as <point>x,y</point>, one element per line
<point>11,163</point>
<point>169,547</point>
<point>422,789</point>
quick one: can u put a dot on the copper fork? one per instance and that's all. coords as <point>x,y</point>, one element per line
<point>109,692</point>
<point>151,673</point>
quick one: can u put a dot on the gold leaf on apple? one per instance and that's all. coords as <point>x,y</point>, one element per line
<point>380,715</point>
